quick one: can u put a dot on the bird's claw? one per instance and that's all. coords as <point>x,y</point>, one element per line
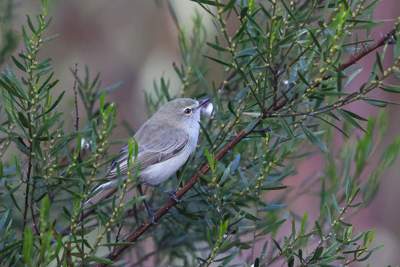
<point>172,195</point>
<point>152,217</point>
<point>153,220</point>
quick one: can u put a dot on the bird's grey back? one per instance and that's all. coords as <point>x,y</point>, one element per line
<point>156,143</point>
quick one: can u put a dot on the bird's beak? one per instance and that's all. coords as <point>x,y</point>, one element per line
<point>203,102</point>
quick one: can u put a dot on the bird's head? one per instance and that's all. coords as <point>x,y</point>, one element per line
<point>184,112</point>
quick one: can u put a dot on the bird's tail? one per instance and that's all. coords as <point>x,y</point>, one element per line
<point>100,193</point>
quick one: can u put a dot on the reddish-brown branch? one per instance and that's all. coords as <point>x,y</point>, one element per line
<point>387,38</point>
<point>135,235</point>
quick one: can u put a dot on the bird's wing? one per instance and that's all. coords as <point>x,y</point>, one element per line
<point>160,145</point>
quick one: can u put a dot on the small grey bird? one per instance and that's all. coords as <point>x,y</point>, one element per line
<point>165,142</point>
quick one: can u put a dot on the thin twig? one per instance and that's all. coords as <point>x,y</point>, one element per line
<point>75,90</point>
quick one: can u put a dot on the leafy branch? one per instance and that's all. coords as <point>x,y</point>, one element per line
<point>272,111</point>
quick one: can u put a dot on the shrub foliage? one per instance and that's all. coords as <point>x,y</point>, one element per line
<point>283,99</point>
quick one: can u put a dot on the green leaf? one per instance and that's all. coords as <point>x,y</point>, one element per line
<point>379,62</point>
<point>30,24</point>
<point>352,118</point>
<point>5,219</point>
<point>317,254</point>
<point>208,2</point>
<point>319,230</point>
<point>388,158</point>
<point>100,260</point>
<point>133,149</point>
<point>18,64</point>
<point>233,165</point>
<point>314,139</point>
<point>303,224</point>
<point>273,188</point>
<point>45,7</point>
<point>273,207</point>
<point>229,5</point>
<point>24,121</point>
<point>256,262</point>
<point>223,228</point>
<point>376,102</point>
<point>10,88</point>
<point>390,88</point>
<point>303,79</point>
<point>272,227</point>
<point>27,247</point>
<point>53,106</point>
<point>102,102</point>
<point>354,115</point>
<point>44,213</point>
<point>219,61</point>
<point>371,188</point>
<point>287,128</point>
<point>369,237</point>
<point>243,12</point>
<point>291,261</point>
<point>165,89</point>
<point>353,75</point>
<point>247,52</point>
<point>390,154</point>
<point>251,5</point>
<point>217,47</point>
<point>364,146</point>
<point>211,160</point>
<point>231,108</point>
<point>314,39</point>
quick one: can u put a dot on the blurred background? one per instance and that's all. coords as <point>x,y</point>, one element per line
<point>136,42</point>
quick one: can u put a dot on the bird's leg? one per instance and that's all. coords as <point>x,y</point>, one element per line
<point>149,209</point>
<point>172,195</point>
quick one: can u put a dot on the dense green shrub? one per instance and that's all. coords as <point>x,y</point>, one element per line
<point>283,99</point>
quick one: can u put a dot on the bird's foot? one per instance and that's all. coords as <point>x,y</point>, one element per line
<point>151,215</point>
<point>150,212</point>
<point>172,195</point>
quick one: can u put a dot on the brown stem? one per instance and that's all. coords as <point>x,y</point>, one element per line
<point>136,234</point>
<point>387,38</point>
<point>75,90</point>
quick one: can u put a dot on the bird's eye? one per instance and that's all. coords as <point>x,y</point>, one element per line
<point>187,111</point>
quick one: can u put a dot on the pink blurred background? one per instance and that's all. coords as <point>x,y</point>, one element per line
<point>136,42</point>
